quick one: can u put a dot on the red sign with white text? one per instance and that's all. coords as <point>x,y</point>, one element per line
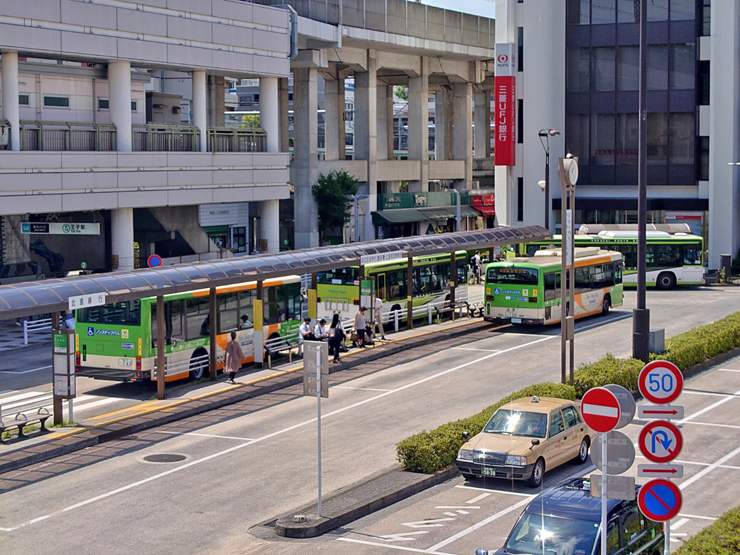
<point>505,120</point>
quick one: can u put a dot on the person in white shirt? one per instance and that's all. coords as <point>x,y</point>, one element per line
<point>305,333</point>
<point>320,331</point>
<point>378,314</point>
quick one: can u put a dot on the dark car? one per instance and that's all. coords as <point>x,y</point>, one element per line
<point>566,520</point>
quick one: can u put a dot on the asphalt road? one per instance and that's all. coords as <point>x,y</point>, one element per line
<point>245,470</point>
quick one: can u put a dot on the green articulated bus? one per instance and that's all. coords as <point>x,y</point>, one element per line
<point>526,290</point>
<point>671,258</point>
<point>118,341</point>
<point>338,291</point>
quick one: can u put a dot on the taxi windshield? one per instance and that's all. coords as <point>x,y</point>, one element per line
<point>535,534</point>
<point>517,423</point>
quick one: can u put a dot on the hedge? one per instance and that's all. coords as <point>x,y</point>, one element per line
<point>433,450</point>
<point>722,537</point>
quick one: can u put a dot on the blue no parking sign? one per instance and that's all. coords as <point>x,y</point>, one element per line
<point>660,500</point>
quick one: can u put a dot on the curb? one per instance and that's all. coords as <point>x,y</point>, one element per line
<point>315,526</point>
<point>94,436</point>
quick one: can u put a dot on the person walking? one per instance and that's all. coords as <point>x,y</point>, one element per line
<point>234,356</point>
<point>379,316</point>
<point>336,337</point>
<point>360,326</point>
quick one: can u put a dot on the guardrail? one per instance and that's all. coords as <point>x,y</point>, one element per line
<point>67,135</point>
<point>246,139</point>
<point>33,326</point>
<point>165,138</point>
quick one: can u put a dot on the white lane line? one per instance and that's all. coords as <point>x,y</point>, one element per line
<point>448,513</point>
<point>699,475</point>
<point>707,393</point>
<point>496,491</point>
<point>678,524</point>
<point>93,404</point>
<point>601,323</point>
<point>286,430</point>
<point>41,399</point>
<point>697,516</point>
<point>476,499</point>
<point>728,370</point>
<point>474,349</point>
<point>396,547</point>
<point>25,371</point>
<point>713,424</point>
<point>706,409</point>
<point>681,461</point>
<point>359,388</point>
<point>21,396</point>
<point>203,435</point>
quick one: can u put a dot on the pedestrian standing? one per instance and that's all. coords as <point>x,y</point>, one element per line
<point>336,337</point>
<point>320,331</point>
<point>360,326</point>
<point>379,316</point>
<point>476,267</point>
<point>234,356</point>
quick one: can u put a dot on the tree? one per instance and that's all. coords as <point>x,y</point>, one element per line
<point>330,192</point>
<point>250,120</point>
<point>401,92</point>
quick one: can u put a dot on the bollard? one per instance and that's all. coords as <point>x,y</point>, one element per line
<point>396,319</point>
<point>429,313</point>
<point>25,332</point>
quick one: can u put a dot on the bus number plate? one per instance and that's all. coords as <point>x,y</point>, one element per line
<point>516,320</point>
<point>125,362</point>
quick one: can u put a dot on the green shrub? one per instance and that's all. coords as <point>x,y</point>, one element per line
<point>700,344</point>
<point>433,450</point>
<point>609,369</point>
<point>721,538</point>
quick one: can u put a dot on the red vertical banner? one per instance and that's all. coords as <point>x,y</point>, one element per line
<point>504,94</point>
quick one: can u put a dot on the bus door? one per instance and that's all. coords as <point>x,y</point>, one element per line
<point>380,287</point>
<point>552,293</point>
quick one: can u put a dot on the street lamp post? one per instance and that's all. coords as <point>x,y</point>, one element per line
<point>568,175</point>
<point>546,134</point>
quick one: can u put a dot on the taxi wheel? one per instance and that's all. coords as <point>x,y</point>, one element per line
<point>468,477</point>
<point>582,456</point>
<point>538,472</point>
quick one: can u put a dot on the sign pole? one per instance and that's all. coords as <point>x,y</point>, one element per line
<point>667,533</point>
<point>604,480</point>
<point>318,404</point>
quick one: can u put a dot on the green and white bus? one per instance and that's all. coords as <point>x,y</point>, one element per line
<point>526,290</point>
<point>671,259</point>
<point>338,291</point>
<point>118,341</point>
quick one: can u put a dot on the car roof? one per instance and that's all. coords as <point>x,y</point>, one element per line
<point>571,499</point>
<point>543,404</point>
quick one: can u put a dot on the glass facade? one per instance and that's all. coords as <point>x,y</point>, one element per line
<point>602,90</point>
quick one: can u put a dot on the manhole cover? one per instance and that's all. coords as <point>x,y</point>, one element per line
<point>164,458</point>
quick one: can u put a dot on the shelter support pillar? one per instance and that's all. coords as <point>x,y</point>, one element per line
<point>366,135</point>
<point>213,345</point>
<point>119,78</point>
<point>160,348</point>
<point>313,307</point>
<point>419,127</point>
<point>453,281</point>
<point>410,293</point>
<point>122,238</point>
<point>11,105</point>
<point>305,170</point>
<point>483,124</point>
<point>258,339</point>
<point>200,106</point>
<point>269,112</point>
<point>269,211</point>
<point>462,148</point>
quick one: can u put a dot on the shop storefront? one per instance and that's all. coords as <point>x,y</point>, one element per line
<point>407,214</point>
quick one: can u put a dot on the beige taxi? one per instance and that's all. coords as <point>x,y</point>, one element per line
<point>525,438</point>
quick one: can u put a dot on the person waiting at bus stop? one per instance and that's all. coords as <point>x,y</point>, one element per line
<point>305,333</point>
<point>360,327</point>
<point>234,356</point>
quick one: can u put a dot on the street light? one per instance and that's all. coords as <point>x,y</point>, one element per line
<point>355,198</point>
<point>546,134</point>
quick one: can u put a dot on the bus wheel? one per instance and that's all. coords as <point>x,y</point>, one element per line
<point>666,280</point>
<point>198,365</point>
<point>606,305</point>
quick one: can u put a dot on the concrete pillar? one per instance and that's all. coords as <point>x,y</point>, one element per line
<point>462,131</point>
<point>11,108</point>
<point>284,100</point>
<point>419,127</point>
<point>366,136</point>
<point>122,237</point>
<point>304,169</point>
<point>270,112</point>
<point>216,86</point>
<point>270,223</point>
<point>383,123</point>
<point>334,119</point>
<point>200,113</point>
<point>391,123</point>
<point>483,124</point>
<point>119,78</point>
<point>442,125</point>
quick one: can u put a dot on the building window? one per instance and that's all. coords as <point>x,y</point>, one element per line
<point>256,97</point>
<point>520,50</point>
<point>702,93</point>
<point>53,101</point>
<point>683,10</point>
<point>103,104</point>
<point>603,12</point>
<point>603,67</point>
<point>520,120</point>
<point>705,17</point>
<point>578,12</point>
<point>578,70</point>
<point>681,139</point>
<point>24,99</point>
<point>627,139</point>
<point>576,137</point>
<point>628,68</point>
<point>628,11</point>
<point>683,62</point>
<point>657,70</point>
<point>520,199</point>
<point>657,10</point>
<point>133,105</point>
<point>703,159</point>
<point>602,140</point>
<point>657,135</point>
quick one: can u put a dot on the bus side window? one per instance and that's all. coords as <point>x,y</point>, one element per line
<point>551,291</point>
<point>196,312</point>
<point>380,286</point>
<point>228,317</point>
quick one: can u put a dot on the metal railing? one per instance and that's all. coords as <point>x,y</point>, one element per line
<point>152,137</point>
<point>67,135</point>
<point>33,326</point>
<point>246,139</point>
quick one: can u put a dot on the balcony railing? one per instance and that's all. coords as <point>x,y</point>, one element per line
<point>82,136</point>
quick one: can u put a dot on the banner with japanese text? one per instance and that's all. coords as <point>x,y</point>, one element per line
<point>504,94</point>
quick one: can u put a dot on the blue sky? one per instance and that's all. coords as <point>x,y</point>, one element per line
<point>477,7</point>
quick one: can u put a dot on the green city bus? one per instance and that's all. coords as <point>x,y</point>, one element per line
<point>526,290</point>
<point>118,341</point>
<point>670,258</point>
<point>338,291</point>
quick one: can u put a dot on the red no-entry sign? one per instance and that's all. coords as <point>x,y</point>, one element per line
<point>600,409</point>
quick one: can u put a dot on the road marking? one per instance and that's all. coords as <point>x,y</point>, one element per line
<point>706,409</point>
<point>455,507</point>
<point>358,388</point>
<point>678,524</point>
<point>680,461</point>
<point>388,546</point>
<point>431,523</point>
<point>697,516</point>
<point>202,435</point>
<point>22,396</point>
<point>285,430</point>
<point>476,499</point>
<point>496,491</point>
<point>699,475</point>
<point>25,371</point>
<point>403,537</point>
<point>728,370</point>
<point>709,393</point>
<point>713,424</point>
<point>473,349</point>
<point>601,323</point>
<point>448,513</point>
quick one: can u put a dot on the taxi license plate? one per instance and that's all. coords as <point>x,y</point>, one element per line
<point>516,320</point>
<point>488,472</point>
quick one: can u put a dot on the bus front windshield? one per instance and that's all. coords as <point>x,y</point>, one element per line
<point>535,534</point>
<point>340,276</point>
<point>513,275</point>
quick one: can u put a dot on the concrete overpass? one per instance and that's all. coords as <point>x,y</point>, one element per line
<point>384,43</point>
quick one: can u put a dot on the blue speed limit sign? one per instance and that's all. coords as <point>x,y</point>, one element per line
<point>660,382</point>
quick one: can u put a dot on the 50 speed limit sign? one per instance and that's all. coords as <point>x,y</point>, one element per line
<point>660,382</point>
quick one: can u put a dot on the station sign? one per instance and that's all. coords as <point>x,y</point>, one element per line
<point>86,301</point>
<point>600,409</point>
<point>380,257</point>
<point>55,228</point>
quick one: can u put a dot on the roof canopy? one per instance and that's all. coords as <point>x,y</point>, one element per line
<point>38,297</point>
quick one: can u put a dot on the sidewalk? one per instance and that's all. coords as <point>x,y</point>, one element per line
<point>202,398</point>
<point>11,337</point>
